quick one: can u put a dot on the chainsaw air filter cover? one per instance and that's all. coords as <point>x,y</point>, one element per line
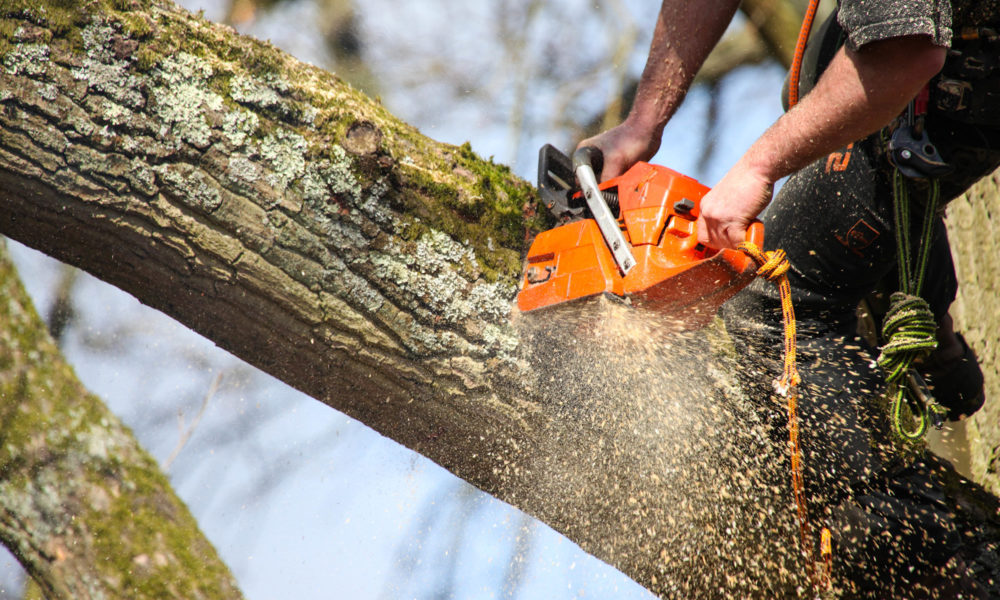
<point>674,274</point>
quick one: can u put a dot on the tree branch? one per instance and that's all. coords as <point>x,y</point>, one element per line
<point>84,509</point>
<point>299,225</point>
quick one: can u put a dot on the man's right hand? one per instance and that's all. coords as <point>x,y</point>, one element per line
<point>623,146</point>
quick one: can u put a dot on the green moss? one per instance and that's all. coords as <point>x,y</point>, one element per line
<point>137,533</point>
<point>146,58</point>
<point>61,17</point>
<point>7,29</point>
<point>136,26</point>
<point>147,537</point>
<point>479,203</point>
<point>64,18</point>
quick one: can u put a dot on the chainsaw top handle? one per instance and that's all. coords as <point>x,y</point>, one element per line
<point>590,156</point>
<point>583,164</point>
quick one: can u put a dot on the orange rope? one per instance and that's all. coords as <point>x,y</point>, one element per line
<point>826,551</point>
<point>795,72</point>
<point>773,266</point>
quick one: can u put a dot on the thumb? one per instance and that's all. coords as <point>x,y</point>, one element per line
<point>701,226</point>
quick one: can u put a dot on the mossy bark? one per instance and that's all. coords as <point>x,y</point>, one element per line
<point>299,225</point>
<point>86,511</point>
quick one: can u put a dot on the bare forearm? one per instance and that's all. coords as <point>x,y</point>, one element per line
<point>685,33</point>
<point>858,94</point>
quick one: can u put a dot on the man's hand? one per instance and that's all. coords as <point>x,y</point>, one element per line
<point>728,209</point>
<point>623,146</point>
<point>859,92</point>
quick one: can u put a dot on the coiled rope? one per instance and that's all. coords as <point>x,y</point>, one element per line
<point>773,265</point>
<point>909,326</point>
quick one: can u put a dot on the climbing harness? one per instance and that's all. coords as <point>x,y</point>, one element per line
<point>773,265</point>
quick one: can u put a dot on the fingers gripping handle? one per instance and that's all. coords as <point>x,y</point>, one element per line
<point>583,164</point>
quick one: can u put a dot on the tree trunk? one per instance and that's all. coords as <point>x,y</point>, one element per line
<point>85,510</point>
<point>974,230</point>
<point>297,224</point>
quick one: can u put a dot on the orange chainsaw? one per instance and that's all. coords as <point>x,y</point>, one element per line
<point>633,237</point>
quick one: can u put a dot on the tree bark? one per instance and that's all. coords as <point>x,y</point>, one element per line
<point>86,511</point>
<point>299,225</point>
<point>974,230</point>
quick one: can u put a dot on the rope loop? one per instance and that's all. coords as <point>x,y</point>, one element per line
<point>771,265</point>
<point>909,330</point>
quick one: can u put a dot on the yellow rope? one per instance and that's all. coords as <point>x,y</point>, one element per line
<point>773,265</point>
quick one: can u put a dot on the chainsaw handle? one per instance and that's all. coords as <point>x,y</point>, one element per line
<point>590,156</point>
<point>755,233</point>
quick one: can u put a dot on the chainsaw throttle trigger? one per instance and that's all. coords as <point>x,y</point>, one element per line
<point>584,160</point>
<point>755,233</point>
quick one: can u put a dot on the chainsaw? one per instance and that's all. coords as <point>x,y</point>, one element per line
<point>633,238</point>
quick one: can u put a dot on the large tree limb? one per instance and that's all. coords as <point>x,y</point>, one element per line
<point>297,224</point>
<point>300,226</point>
<point>85,510</point>
<point>318,222</point>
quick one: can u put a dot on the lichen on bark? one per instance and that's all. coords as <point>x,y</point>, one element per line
<point>84,509</point>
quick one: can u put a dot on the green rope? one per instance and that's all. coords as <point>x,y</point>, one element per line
<point>909,325</point>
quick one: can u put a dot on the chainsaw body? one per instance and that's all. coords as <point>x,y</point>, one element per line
<point>656,209</point>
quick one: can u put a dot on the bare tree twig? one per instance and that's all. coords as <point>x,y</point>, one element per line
<point>187,431</point>
<point>61,311</point>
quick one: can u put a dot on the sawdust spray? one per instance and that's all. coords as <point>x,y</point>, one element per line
<point>658,452</point>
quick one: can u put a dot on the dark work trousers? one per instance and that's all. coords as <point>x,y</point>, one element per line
<point>834,219</point>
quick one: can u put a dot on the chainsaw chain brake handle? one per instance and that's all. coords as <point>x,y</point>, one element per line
<point>557,185</point>
<point>584,161</point>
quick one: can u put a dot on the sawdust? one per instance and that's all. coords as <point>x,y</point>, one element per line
<point>655,451</point>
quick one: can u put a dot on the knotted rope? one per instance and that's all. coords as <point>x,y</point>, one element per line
<point>909,326</point>
<point>773,265</point>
